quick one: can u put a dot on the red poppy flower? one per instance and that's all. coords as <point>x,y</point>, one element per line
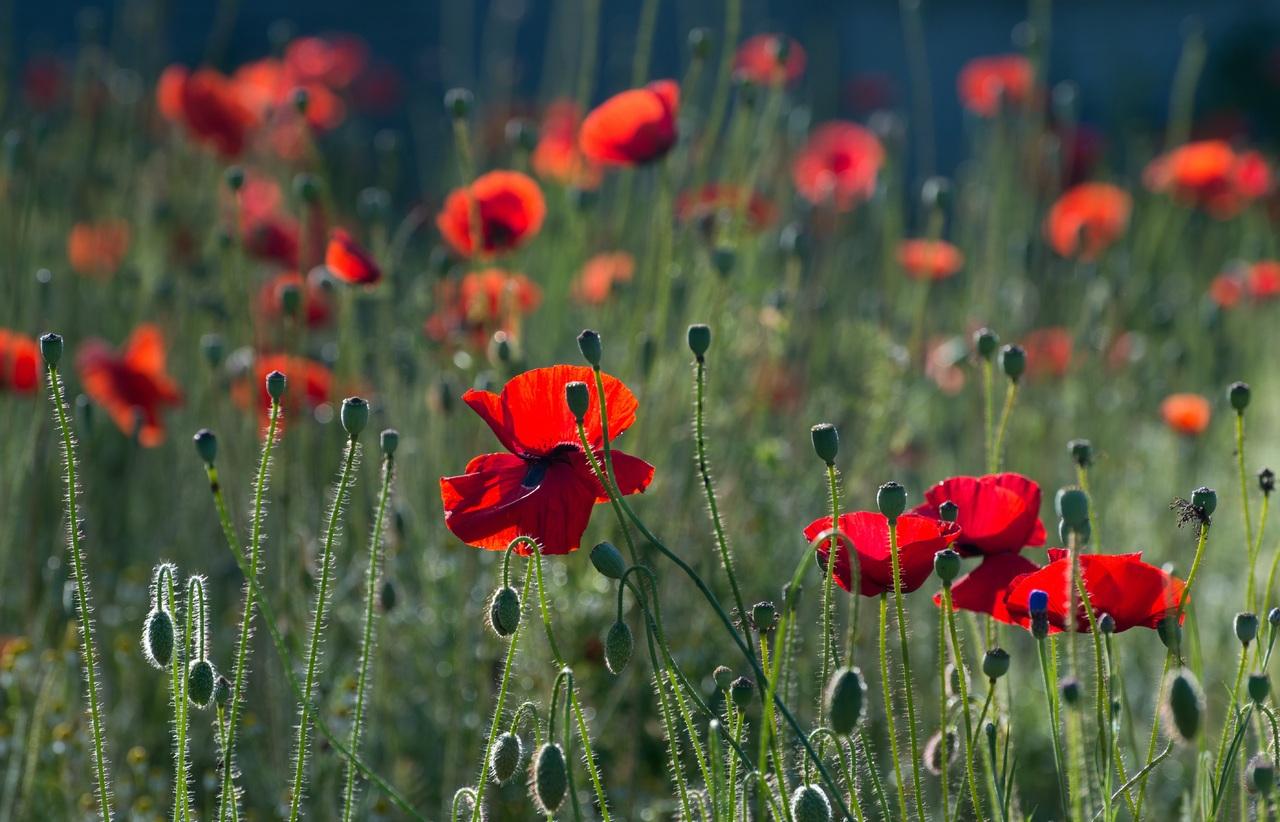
<point>334,61</point>
<point>1187,414</point>
<point>999,513</point>
<point>1048,352</point>
<point>634,127</point>
<point>348,262</point>
<point>1227,290</point>
<point>919,538</point>
<point>482,303</point>
<point>769,60</point>
<point>929,259</point>
<point>315,307</point>
<point>98,249</point>
<point>942,363</point>
<point>207,103</point>
<point>1210,174</point>
<point>1087,219</point>
<point>1135,594</point>
<point>19,362</point>
<point>983,589</point>
<point>510,207</point>
<point>133,386</point>
<point>1264,280</point>
<point>543,486</point>
<point>309,384</point>
<point>715,203</point>
<point>557,156</point>
<point>839,165</point>
<point>595,283</point>
<point>987,83</point>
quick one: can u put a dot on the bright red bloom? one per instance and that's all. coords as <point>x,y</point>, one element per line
<point>769,60</point>
<point>595,283</point>
<point>1048,352</point>
<point>1210,174</point>
<point>97,249</point>
<point>919,538</point>
<point>929,259</point>
<point>839,165</point>
<point>983,589</point>
<point>19,362</point>
<point>999,513</point>
<point>349,262</point>
<point>482,303</point>
<point>510,208</point>
<point>557,156</point>
<point>1187,414</point>
<point>316,308</point>
<point>1087,219</point>
<point>543,486</point>
<point>1135,594</point>
<point>309,384</point>
<point>634,127</point>
<point>1264,280</point>
<point>720,202</point>
<point>133,386</point>
<point>987,83</point>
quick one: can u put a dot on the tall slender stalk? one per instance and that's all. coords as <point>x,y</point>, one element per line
<point>886,685</point>
<point>997,445</point>
<point>957,654</point>
<point>907,683</point>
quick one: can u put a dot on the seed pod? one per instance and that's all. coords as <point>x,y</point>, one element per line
<point>1246,625</point>
<point>504,757</point>
<point>1013,361</point>
<point>1259,687</point>
<point>741,691</point>
<point>946,564</point>
<point>826,441</point>
<point>206,445</point>
<point>1266,481</point>
<point>1072,505</point>
<point>810,804</point>
<point>458,102</point>
<point>948,511</point>
<point>1262,774</point>
<point>1184,709</point>
<point>222,691</point>
<point>891,499</point>
<point>763,616</point>
<point>846,692</point>
<point>157,639</point>
<point>354,415</point>
<point>1107,623</point>
<point>618,645</point>
<point>591,347</point>
<point>51,346</point>
<point>1239,394</point>
<point>608,560</point>
<point>723,677</point>
<point>995,663</point>
<point>723,259</point>
<point>578,398</point>
<point>388,441</point>
<point>549,780</point>
<point>276,382</point>
<point>1205,499</point>
<point>1070,688</point>
<point>201,679</point>
<point>1081,452</point>
<point>699,340</point>
<point>504,611</point>
<point>985,342</point>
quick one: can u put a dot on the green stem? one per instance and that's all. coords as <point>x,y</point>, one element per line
<point>988,414</point>
<point>829,660</point>
<point>1250,605</point>
<point>887,688</point>
<point>181,806</point>
<point>949,628</point>
<point>1050,695</point>
<point>907,683</point>
<point>997,447</point>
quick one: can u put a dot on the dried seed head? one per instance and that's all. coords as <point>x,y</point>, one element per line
<point>845,696</point>
<point>549,780</point>
<point>504,611</point>
<point>505,757</point>
<point>158,639</point>
<point>618,645</point>
<point>810,804</point>
<point>201,679</point>
<point>608,560</point>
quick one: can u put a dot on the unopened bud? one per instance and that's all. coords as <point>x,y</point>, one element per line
<point>201,679</point>
<point>891,499</point>
<point>550,778</point>
<point>618,645</point>
<point>1184,709</point>
<point>995,663</point>
<point>608,560</point>
<point>844,697</point>
<point>810,804</point>
<point>504,757</point>
<point>504,611</point>
<point>591,347</point>
<point>354,415</point>
<point>206,445</point>
<point>158,638</point>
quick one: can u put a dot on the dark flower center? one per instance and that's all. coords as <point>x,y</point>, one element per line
<point>538,466</point>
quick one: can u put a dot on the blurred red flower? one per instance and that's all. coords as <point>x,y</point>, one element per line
<point>542,487</point>
<point>208,104</point>
<point>595,282</point>
<point>1227,289</point>
<point>309,384</point>
<point>929,259</point>
<point>1187,414</point>
<point>1135,594</point>
<point>1087,219</point>
<point>347,261</point>
<point>133,385</point>
<point>97,249</point>
<point>44,81</point>
<point>334,61</point>
<point>19,362</point>
<point>1210,174</point>
<point>714,203</point>
<point>482,303</point>
<point>998,513</point>
<point>1048,352</point>
<point>633,127</point>
<point>1263,280</point>
<point>919,538</point>
<point>769,60</point>
<point>839,165</point>
<point>510,208</point>
<point>557,156</point>
<point>986,84</point>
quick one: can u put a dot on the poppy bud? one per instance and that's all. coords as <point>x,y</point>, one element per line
<point>844,697</point>
<point>1185,706</point>
<point>723,677</point>
<point>1246,626</point>
<point>222,691</point>
<point>1273,618</point>
<point>458,102</point>
<point>1262,773</point>
<point>608,560</point>
<point>699,339</point>
<point>946,564</point>
<point>521,134</point>
<point>51,348</point>
<point>1081,452</point>
<point>354,415</point>
<point>1040,625</point>
<point>206,445</point>
<point>504,611</point>
<point>464,803</point>
<point>276,382</point>
<point>234,176</point>
<point>1072,505</point>
<point>373,203</point>
<point>578,398</point>
<point>157,639</point>
<point>1013,361</point>
<point>505,756</point>
<point>1107,624</point>
<point>763,616</point>
<point>1070,688</point>
<point>388,440</point>
<point>618,645</point>
<point>201,679</point>
<point>1205,500</point>
<point>948,511</point>
<point>550,778</point>
<point>1037,602</point>
<point>590,346</point>
<point>1267,481</point>
<point>1170,633</point>
<point>740,691</point>
<point>1238,394</point>
<point>500,350</point>
<point>1259,687</point>
<point>387,596</point>
<point>985,342</point>
<point>810,804</point>
<point>290,299</point>
<point>826,441</point>
<point>723,258</point>
<point>955,675</point>
<point>306,187</point>
<point>213,348</point>
<point>995,663</point>
<point>936,193</point>
<point>891,499</point>
<point>700,43</point>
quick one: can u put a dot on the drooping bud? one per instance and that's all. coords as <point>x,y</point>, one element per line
<point>1184,709</point>
<point>578,398</point>
<point>844,698</point>
<point>1013,361</point>
<point>1273,618</point>
<point>810,804</point>
<point>1072,504</point>
<point>1205,500</point>
<point>608,560</point>
<point>1262,773</point>
<point>158,639</point>
<point>618,645</point>
<point>1246,625</point>
<point>550,778</point>
<point>995,663</point>
<point>504,757</point>
<point>826,441</point>
<point>948,511</point>
<point>1239,395</point>
<point>504,611</point>
<point>891,499</point>
<point>354,415</point>
<point>1081,452</point>
<point>699,340</point>
<point>276,382</point>
<point>201,679</point>
<point>946,564</point>
<point>591,347</point>
<point>741,691</point>
<point>388,441</point>
<point>985,342</point>
<point>51,346</point>
<point>206,445</point>
<point>1259,687</point>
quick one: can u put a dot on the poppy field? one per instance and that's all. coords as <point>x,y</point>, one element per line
<point>681,441</point>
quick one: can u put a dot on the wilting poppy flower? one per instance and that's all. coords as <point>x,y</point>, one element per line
<point>542,487</point>
<point>482,303</point>
<point>557,156</point>
<point>133,385</point>
<point>1187,414</point>
<point>769,60</point>
<point>715,203</point>
<point>839,165</point>
<point>919,538</point>
<point>1227,290</point>
<point>315,308</point>
<point>309,384</point>
<point>19,362</point>
<point>1210,174</point>
<point>1048,352</point>
<point>999,513</point>
<point>987,83</point>
<point>595,283</point>
<point>634,127</point>
<point>1263,280</point>
<point>1135,594</point>
<point>510,208</point>
<point>1087,219</point>
<point>97,249</point>
<point>929,259</point>
<point>983,589</point>
<point>348,262</point>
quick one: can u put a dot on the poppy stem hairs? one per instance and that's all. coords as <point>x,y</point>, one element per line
<point>51,346</point>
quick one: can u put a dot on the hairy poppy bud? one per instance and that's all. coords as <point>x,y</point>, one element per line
<point>1259,687</point>
<point>213,348</point>
<point>723,677</point>
<point>608,560</point>
<point>1205,500</point>
<point>1170,633</point>
<point>1070,688</point>
<point>1107,624</point>
<point>1081,452</point>
<point>1262,773</point>
<point>1037,602</point>
<point>948,511</point>
<point>505,756</point>
<point>222,691</point>
<point>550,778</point>
<point>234,177</point>
<point>201,679</point>
<point>1239,395</point>
<point>844,697</point>
<point>578,398</point>
<point>985,342</point>
<point>206,445</point>
<point>700,43</point>
<point>826,441</point>
<point>741,690</point>
<point>51,348</point>
<point>158,638</point>
<point>699,339</point>
<point>1072,505</point>
<point>1246,626</point>
<point>388,441</point>
<point>354,415</point>
<point>591,347</point>
<point>1013,361</point>
<point>276,382</point>
<point>504,611</point>
<point>810,804</point>
<point>458,102</point>
<point>954,675</point>
<point>1267,481</point>
<point>995,663</point>
<point>723,259</point>
<point>1184,708</point>
<point>891,499</point>
<point>946,564</point>
<point>763,616</point>
<point>618,645</point>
